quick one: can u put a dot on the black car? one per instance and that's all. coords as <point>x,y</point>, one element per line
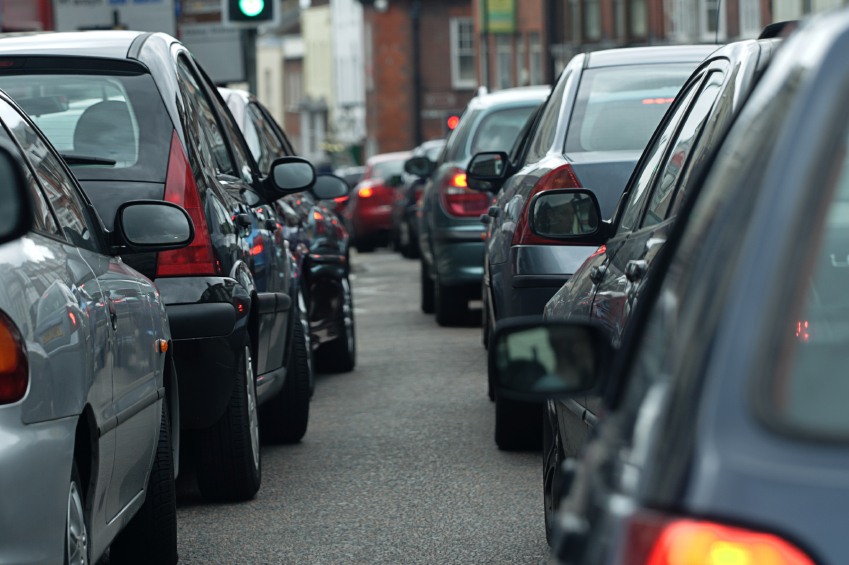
<point>406,206</point>
<point>724,438</point>
<point>317,237</point>
<point>606,286</point>
<point>135,117</point>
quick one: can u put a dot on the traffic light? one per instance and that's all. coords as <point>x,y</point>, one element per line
<point>249,13</point>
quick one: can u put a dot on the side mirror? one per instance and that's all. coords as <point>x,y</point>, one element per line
<point>289,175</point>
<point>419,166</point>
<point>487,171</point>
<point>329,186</point>
<point>270,225</point>
<point>532,359</point>
<point>15,205</point>
<point>568,213</point>
<point>151,225</point>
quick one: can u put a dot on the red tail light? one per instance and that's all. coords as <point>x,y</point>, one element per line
<point>561,177</point>
<point>459,200</point>
<point>180,188</point>
<point>419,191</point>
<point>258,245</point>
<point>14,368</point>
<point>659,540</point>
<point>366,192</point>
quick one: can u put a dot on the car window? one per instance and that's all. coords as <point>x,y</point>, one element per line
<point>499,129</point>
<point>650,161</point>
<point>520,148</point>
<point>677,158</point>
<point>459,139</point>
<point>209,134</point>
<point>43,220</point>
<point>546,128</point>
<point>388,169</point>
<point>58,185</point>
<point>270,145</point>
<point>618,108</point>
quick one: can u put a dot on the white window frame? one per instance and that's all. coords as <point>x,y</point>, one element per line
<point>535,58</point>
<point>750,18</point>
<point>504,61</point>
<point>592,19</point>
<point>705,21</point>
<point>639,26</point>
<point>458,51</point>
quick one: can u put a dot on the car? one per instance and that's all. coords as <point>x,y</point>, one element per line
<point>606,287</point>
<point>352,174</point>
<point>317,237</point>
<point>589,133</point>
<point>89,409</point>
<point>368,210</point>
<point>450,232</point>
<point>135,117</point>
<point>723,428</point>
<point>405,207</point>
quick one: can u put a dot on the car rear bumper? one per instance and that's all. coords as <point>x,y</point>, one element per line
<point>459,262</point>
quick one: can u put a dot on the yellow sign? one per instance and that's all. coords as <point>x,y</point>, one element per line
<point>498,16</point>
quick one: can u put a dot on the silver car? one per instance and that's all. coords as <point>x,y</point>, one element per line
<point>88,394</point>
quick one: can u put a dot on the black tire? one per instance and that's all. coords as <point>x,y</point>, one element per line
<point>151,535</point>
<point>427,290</point>
<point>365,246</point>
<point>228,457</point>
<point>76,529</point>
<point>552,461</point>
<point>340,355</point>
<point>285,418</point>
<point>485,323</point>
<point>451,305</point>
<point>518,425</point>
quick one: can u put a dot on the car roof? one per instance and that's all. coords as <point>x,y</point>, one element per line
<point>103,44</point>
<point>510,96</point>
<point>383,157</point>
<point>649,55</point>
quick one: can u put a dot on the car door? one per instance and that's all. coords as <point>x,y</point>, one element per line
<point>130,417</point>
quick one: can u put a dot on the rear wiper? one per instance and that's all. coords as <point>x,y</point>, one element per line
<point>73,159</point>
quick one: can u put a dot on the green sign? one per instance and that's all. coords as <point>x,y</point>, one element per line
<point>498,16</point>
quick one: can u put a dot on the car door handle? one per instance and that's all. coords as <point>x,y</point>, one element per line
<point>597,273</point>
<point>494,211</point>
<point>635,270</point>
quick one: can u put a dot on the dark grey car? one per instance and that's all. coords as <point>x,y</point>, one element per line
<point>726,429</point>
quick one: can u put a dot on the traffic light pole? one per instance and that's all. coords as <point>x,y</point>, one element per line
<point>249,58</point>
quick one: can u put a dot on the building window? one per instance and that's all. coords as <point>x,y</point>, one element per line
<point>462,53</point>
<point>750,18</point>
<point>639,19</point>
<point>535,61</point>
<point>592,20</point>
<point>522,74</point>
<point>575,19</point>
<point>619,19</point>
<point>712,19</point>
<point>504,56</point>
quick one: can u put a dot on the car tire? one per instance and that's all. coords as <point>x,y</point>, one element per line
<point>552,461</point>
<point>517,425</point>
<point>76,530</point>
<point>427,290</point>
<point>365,246</point>
<point>229,467</point>
<point>286,416</point>
<point>451,305</point>
<point>485,323</point>
<point>340,355</point>
<point>151,535</point>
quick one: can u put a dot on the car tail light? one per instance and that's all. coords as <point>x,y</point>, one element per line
<point>366,192</point>
<point>561,177</point>
<point>14,368</point>
<point>181,189</point>
<point>654,539</point>
<point>459,200</point>
<point>258,244</point>
<point>419,191</point>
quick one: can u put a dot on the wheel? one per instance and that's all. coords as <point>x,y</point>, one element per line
<point>485,324</point>
<point>340,355</point>
<point>405,243</point>
<point>451,304</point>
<point>517,424</point>
<point>427,290</point>
<point>76,532</point>
<point>365,246</point>
<point>285,417</point>
<point>552,461</point>
<point>151,535</point>
<point>228,459</point>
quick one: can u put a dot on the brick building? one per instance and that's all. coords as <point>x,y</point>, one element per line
<point>420,69</point>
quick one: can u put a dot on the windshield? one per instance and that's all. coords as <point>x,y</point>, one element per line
<point>388,169</point>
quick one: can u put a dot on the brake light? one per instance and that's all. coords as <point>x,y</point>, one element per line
<point>365,192</point>
<point>14,367</point>
<point>459,200</point>
<point>181,189</point>
<point>658,540</point>
<point>258,245</point>
<point>561,177</point>
<point>419,192</point>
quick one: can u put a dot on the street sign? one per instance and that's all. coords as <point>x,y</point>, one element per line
<point>249,13</point>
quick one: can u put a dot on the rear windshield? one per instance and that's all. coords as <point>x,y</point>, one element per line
<point>388,169</point>
<point>106,127</point>
<point>498,130</point>
<point>618,108</point>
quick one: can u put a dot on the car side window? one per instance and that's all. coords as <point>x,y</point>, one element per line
<point>43,220</point>
<point>56,182</point>
<point>650,161</point>
<point>543,137</point>
<point>204,119</point>
<point>267,139</point>
<point>678,158</point>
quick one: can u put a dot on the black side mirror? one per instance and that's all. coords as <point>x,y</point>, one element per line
<point>419,166</point>
<point>289,175</point>
<point>488,170</point>
<point>532,359</point>
<point>571,214</point>
<point>328,186</point>
<point>15,205</point>
<point>151,225</point>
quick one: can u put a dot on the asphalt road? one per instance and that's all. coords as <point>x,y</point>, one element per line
<point>398,465</point>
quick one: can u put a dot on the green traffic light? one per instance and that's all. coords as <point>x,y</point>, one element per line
<point>251,8</point>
